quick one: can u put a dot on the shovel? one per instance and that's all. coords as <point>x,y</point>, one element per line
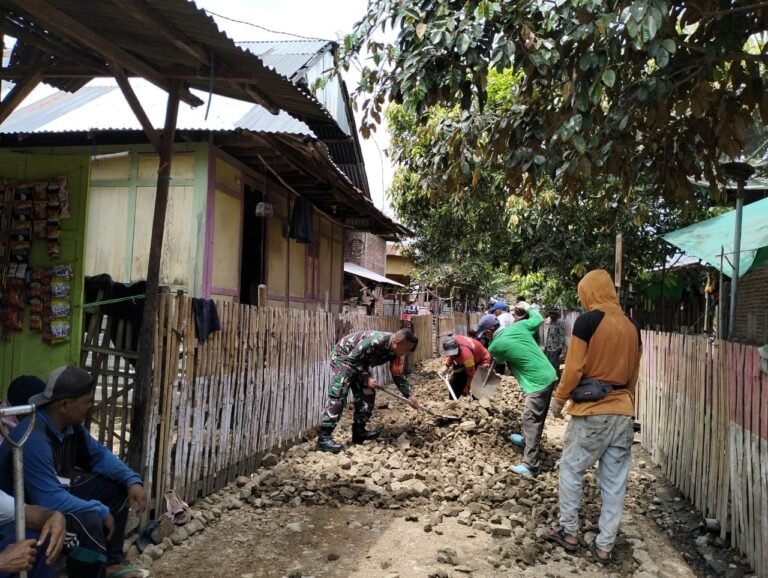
<point>18,467</point>
<point>484,382</point>
<point>448,385</point>
<point>401,399</point>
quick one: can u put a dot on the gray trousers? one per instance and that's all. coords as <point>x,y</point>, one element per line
<point>534,414</point>
<point>607,438</point>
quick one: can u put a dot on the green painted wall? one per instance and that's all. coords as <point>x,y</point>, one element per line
<point>25,352</point>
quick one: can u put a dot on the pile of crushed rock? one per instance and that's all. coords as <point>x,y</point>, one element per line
<point>433,472</point>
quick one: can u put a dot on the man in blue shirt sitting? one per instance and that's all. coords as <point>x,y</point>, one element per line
<point>67,470</point>
<point>45,539</point>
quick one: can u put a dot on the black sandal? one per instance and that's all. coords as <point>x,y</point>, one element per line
<point>596,558</point>
<point>559,537</point>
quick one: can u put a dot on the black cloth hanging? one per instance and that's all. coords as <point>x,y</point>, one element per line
<point>302,221</point>
<point>103,288</point>
<point>206,318</point>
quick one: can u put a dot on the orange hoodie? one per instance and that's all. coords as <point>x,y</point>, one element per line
<point>605,345</point>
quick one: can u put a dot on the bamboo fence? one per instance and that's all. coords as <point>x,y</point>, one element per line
<point>460,323</point>
<point>107,353</point>
<point>474,320</point>
<point>703,406</point>
<point>258,384</point>
<point>422,327</point>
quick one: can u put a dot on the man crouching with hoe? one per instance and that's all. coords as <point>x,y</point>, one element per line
<point>351,363</point>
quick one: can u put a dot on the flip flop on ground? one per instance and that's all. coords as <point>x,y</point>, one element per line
<point>558,535</point>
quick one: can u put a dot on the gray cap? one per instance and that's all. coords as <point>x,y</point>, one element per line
<point>63,383</point>
<point>450,346</point>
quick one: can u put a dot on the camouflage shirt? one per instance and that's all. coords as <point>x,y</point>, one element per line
<point>355,355</point>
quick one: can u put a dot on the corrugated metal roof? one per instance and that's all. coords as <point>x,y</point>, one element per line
<point>305,61</point>
<point>354,269</point>
<point>287,57</point>
<point>125,31</point>
<point>101,106</point>
<point>308,47</point>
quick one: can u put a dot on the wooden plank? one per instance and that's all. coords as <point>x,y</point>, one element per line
<point>763,436</point>
<point>126,353</point>
<point>724,445</point>
<point>747,487</point>
<point>756,494</point>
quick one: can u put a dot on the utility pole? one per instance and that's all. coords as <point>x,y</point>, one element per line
<point>738,172</point>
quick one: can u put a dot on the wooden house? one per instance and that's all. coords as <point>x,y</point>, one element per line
<point>238,174</point>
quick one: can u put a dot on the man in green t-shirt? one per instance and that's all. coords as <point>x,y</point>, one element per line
<point>516,346</point>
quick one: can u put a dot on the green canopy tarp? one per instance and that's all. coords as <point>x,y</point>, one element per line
<point>705,240</point>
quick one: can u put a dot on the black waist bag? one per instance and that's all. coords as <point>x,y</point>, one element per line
<point>592,390</point>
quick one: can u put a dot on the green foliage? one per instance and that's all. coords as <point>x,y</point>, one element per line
<point>612,92</point>
<point>548,240</point>
<point>463,280</point>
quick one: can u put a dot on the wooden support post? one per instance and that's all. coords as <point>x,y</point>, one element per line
<point>141,393</point>
<point>133,102</point>
<point>21,90</point>
<point>262,300</point>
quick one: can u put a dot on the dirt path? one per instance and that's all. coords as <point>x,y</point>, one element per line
<point>421,502</point>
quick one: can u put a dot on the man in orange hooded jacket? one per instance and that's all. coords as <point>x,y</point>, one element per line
<point>604,354</point>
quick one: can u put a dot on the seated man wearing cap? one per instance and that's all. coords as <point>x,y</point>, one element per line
<point>67,470</point>
<point>19,392</point>
<point>463,355</point>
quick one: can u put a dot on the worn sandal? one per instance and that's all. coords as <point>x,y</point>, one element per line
<point>558,535</point>
<point>596,558</point>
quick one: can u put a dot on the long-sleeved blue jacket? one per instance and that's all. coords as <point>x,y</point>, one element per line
<point>51,458</point>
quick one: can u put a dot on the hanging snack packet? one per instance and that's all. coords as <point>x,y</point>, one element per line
<point>41,192</point>
<point>39,229</point>
<point>63,196</point>
<point>40,211</point>
<point>60,331</point>
<point>24,192</point>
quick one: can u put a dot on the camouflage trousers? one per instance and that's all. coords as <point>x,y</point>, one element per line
<point>337,399</point>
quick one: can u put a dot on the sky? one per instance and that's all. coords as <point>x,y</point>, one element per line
<point>326,19</point>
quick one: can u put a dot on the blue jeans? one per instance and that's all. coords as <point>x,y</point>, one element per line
<point>40,569</point>
<point>607,438</point>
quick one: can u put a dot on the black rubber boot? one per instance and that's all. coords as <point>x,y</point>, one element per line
<point>326,443</point>
<point>360,434</point>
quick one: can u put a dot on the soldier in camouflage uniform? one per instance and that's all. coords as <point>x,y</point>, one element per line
<point>351,363</point>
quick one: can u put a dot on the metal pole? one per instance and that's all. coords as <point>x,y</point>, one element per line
<point>18,468</point>
<point>720,310</point>
<point>18,492</point>
<point>736,257</point>
<point>739,172</point>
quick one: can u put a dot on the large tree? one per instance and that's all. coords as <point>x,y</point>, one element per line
<point>614,89</point>
<point>545,234</point>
